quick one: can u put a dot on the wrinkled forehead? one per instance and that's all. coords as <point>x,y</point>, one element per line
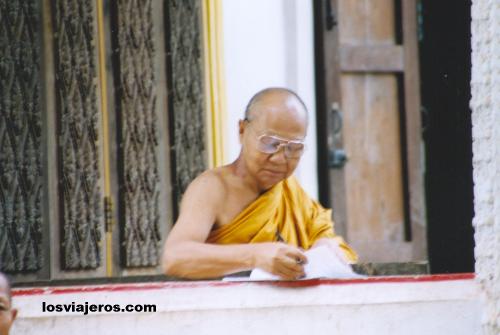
<point>286,120</point>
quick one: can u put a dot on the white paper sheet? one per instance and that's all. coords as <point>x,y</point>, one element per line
<point>321,263</point>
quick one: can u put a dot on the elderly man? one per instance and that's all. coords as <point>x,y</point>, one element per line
<point>7,313</point>
<point>253,213</point>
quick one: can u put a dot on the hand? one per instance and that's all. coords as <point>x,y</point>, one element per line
<point>280,259</point>
<point>333,245</point>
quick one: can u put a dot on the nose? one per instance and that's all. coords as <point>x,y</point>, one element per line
<point>279,156</point>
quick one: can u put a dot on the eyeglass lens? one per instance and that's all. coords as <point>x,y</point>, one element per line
<point>271,145</point>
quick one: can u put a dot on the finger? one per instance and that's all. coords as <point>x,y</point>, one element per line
<point>296,254</point>
<point>298,269</point>
<point>291,265</point>
<point>286,273</point>
<point>291,268</point>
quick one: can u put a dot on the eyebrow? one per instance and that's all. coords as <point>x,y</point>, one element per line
<point>271,133</point>
<point>283,138</point>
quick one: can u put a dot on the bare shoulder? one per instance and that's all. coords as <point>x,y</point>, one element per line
<point>199,207</point>
<point>209,187</point>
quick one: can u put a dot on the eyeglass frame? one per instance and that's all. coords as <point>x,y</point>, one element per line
<point>283,143</point>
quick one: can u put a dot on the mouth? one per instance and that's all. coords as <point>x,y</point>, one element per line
<point>274,173</point>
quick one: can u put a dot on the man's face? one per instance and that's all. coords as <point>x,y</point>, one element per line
<point>279,117</point>
<point>7,313</point>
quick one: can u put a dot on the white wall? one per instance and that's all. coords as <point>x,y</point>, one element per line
<point>372,306</point>
<point>270,43</point>
<point>485,103</point>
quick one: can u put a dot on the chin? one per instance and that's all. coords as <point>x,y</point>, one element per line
<point>268,182</point>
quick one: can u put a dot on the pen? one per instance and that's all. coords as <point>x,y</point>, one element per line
<point>280,238</point>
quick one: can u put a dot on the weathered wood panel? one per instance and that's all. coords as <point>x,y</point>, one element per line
<point>21,176</point>
<point>136,87</point>
<point>371,58</point>
<point>413,130</point>
<point>187,118</point>
<point>374,181</point>
<point>78,134</point>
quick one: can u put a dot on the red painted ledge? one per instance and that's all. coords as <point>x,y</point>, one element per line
<point>198,284</point>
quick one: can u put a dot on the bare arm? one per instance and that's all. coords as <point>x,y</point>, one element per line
<point>187,255</point>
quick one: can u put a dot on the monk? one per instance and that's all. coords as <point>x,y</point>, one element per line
<point>7,313</point>
<point>253,213</point>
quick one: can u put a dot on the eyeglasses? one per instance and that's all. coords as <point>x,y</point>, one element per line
<point>270,144</point>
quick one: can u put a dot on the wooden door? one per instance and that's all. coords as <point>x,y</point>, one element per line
<point>371,109</point>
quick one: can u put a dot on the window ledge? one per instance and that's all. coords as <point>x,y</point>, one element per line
<point>430,304</point>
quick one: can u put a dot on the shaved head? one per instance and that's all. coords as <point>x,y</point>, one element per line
<point>274,117</point>
<point>275,96</point>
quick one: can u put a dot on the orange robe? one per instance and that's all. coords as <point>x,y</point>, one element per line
<point>285,209</point>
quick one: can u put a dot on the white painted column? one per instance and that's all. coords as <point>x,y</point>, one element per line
<point>485,105</point>
<point>270,43</point>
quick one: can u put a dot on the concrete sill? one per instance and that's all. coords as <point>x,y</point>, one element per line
<point>430,304</point>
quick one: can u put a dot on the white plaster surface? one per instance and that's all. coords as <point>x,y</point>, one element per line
<point>445,307</point>
<point>485,104</point>
<point>270,43</point>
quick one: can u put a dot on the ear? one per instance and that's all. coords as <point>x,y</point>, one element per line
<point>241,129</point>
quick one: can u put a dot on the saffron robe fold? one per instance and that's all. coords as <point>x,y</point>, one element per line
<point>284,210</point>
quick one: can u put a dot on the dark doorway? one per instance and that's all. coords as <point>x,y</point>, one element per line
<point>445,60</point>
